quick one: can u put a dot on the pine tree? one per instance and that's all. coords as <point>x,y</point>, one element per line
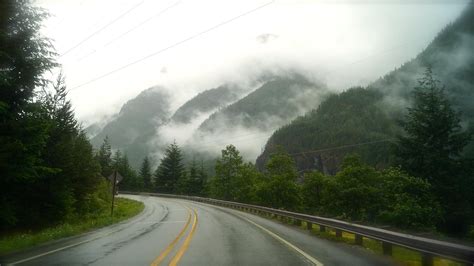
<point>202,175</point>
<point>130,180</point>
<point>25,55</point>
<point>116,160</point>
<point>227,169</point>
<point>196,182</point>
<point>146,174</point>
<point>104,156</point>
<point>434,139</point>
<point>432,149</point>
<point>171,170</point>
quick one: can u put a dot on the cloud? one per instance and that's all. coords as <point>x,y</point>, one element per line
<point>318,37</point>
<point>266,37</point>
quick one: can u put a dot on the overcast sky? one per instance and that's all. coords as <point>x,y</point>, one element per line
<point>343,43</point>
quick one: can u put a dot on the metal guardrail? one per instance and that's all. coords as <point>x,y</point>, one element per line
<point>429,248</point>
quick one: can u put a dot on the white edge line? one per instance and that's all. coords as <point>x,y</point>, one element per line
<point>70,246</point>
<point>304,254</point>
<point>59,249</point>
<point>301,252</point>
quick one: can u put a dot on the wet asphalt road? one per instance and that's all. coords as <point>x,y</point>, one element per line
<point>172,231</point>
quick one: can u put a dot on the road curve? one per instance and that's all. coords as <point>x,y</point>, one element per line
<point>180,232</point>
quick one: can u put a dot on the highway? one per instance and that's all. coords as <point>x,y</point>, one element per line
<point>180,232</point>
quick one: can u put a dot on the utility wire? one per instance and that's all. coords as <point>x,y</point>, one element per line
<point>172,46</point>
<point>305,152</point>
<point>142,23</point>
<point>343,147</point>
<point>380,52</point>
<point>130,30</point>
<point>234,139</point>
<point>103,28</point>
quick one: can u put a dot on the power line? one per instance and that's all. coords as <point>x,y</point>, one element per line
<point>238,138</point>
<point>380,52</point>
<point>131,29</point>
<point>229,143</point>
<point>103,28</point>
<point>143,22</point>
<point>172,46</point>
<point>343,147</point>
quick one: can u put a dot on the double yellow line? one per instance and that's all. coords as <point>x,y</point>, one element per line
<point>177,257</point>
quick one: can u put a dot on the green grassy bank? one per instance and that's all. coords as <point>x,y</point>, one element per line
<point>15,241</point>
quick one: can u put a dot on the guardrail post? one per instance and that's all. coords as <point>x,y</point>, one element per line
<point>297,222</point>
<point>387,248</point>
<point>322,228</point>
<point>358,240</point>
<point>426,259</point>
<point>338,233</point>
<point>309,226</point>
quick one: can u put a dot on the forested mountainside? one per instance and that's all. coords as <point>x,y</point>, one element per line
<point>369,116</point>
<point>136,123</point>
<point>207,101</point>
<point>136,129</point>
<point>146,126</point>
<point>353,116</point>
<point>273,104</point>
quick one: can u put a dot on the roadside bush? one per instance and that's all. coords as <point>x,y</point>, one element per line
<point>408,201</point>
<point>353,193</point>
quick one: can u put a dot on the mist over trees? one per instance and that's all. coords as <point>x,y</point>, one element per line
<point>432,147</point>
<point>349,158</point>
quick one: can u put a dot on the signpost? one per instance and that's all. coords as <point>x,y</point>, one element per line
<point>114,178</point>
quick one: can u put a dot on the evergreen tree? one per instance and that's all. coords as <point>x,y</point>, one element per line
<point>434,137</point>
<point>25,56</point>
<point>116,160</point>
<point>170,170</point>
<point>432,149</point>
<point>227,170</point>
<point>195,179</point>
<point>202,175</point>
<point>104,156</point>
<point>146,174</point>
<point>130,180</point>
<point>47,166</point>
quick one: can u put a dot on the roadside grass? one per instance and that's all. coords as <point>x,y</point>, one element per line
<point>401,255</point>
<point>124,209</point>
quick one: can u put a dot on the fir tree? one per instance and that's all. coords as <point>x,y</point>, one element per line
<point>432,149</point>
<point>434,139</point>
<point>104,156</point>
<point>227,169</point>
<point>146,174</point>
<point>25,55</point>
<point>170,171</point>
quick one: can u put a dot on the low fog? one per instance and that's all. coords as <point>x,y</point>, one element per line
<point>344,43</point>
<point>187,47</point>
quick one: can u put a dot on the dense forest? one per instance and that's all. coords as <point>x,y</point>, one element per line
<point>207,101</point>
<point>261,105</point>
<point>49,172</point>
<point>358,156</point>
<point>351,117</point>
<point>133,128</point>
<point>427,185</point>
<point>370,115</point>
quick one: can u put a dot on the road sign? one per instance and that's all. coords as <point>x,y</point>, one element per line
<point>118,178</point>
<point>114,178</point>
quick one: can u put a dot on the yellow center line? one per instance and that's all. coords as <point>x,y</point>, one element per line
<point>185,245</point>
<point>170,247</point>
